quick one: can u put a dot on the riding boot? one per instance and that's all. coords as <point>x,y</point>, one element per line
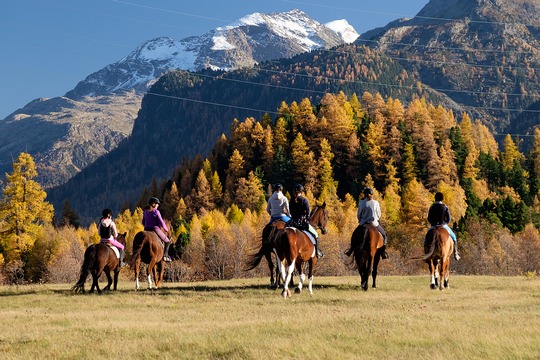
<point>384,254</point>
<point>166,252</point>
<point>318,251</point>
<point>456,255</point>
<point>122,255</point>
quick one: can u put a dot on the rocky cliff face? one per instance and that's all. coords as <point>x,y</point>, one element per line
<point>65,135</point>
<point>484,54</point>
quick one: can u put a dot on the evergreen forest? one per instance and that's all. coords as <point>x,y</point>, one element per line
<point>335,148</point>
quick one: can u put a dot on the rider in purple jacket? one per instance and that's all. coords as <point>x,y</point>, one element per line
<point>153,221</point>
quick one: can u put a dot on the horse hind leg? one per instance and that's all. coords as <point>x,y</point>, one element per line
<point>298,288</point>
<point>273,281</point>
<point>286,292</point>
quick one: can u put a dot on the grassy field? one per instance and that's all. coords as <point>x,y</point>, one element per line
<point>479,317</point>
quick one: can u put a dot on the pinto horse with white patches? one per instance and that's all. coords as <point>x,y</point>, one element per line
<point>438,249</point>
<point>294,247</point>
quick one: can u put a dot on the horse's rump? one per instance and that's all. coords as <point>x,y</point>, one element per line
<point>363,236</point>
<point>438,244</point>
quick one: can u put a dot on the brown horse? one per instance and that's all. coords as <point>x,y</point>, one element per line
<point>148,248</point>
<point>266,250</point>
<point>366,242</point>
<point>438,250</point>
<point>293,248</point>
<point>99,259</point>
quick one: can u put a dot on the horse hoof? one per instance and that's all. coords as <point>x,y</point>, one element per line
<point>284,294</point>
<point>297,291</point>
<point>433,286</point>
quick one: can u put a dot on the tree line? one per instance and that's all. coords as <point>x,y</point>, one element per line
<point>334,148</point>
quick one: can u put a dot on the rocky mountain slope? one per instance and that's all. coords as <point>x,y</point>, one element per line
<point>484,54</point>
<point>66,134</point>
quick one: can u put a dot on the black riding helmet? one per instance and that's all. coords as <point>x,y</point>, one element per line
<point>153,200</point>
<point>368,191</point>
<point>299,188</point>
<point>106,212</point>
<point>278,187</point>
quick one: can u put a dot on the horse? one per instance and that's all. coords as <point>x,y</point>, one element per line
<point>366,242</point>
<point>99,259</point>
<point>148,248</point>
<point>438,250</point>
<point>266,250</point>
<point>293,248</point>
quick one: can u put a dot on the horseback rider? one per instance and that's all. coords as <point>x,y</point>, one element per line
<point>152,221</point>
<point>300,215</point>
<point>439,215</point>
<point>369,212</point>
<point>278,205</point>
<point>108,233</point>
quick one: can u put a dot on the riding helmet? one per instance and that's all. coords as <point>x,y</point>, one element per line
<point>299,188</point>
<point>106,212</point>
<point>278,187</point>
<point>153,200</point>
<point>368,191</point>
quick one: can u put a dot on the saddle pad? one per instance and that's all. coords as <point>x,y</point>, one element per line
<point>310,236</point>
<point>115,251</point>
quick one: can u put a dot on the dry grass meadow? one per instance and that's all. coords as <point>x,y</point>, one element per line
<point>479,317</point>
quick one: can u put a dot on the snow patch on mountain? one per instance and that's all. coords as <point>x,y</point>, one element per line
<point>343,29</point>
<point>253,38</point>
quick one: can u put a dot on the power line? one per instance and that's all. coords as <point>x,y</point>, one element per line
<point>405,16</point>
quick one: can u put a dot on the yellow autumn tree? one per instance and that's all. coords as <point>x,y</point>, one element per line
<point>416,202</point>
<point>23,209</point>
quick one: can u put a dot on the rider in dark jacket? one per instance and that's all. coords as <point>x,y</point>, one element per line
<point>299,208</point>
<point>439,215</point>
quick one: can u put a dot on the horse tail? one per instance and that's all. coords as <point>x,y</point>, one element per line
<point>254,260</point>
<point>436,239</point>
<point>137,248</point>
<point>89,257</point>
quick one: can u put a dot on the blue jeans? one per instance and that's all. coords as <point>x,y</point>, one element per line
<point>450,231</point>
<point>281,217</point>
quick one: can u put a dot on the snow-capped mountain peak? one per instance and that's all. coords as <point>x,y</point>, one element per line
<point>253,38</point>
<point>343,29</point>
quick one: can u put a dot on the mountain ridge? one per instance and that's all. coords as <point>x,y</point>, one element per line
<point>67,148</point>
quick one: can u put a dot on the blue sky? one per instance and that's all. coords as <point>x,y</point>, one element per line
<point>48,46</point>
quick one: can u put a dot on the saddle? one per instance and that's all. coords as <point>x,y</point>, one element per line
<point>113,248</point>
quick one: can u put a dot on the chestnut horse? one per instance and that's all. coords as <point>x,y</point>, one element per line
<point>366,242</point>
<point>266,250</point>
<point>148,248</point>
<point>293,248</point>
<point>99,259</point>
<point>438,250</point>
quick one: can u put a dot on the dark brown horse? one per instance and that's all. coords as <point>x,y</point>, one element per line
<point>366,242</point>
<point>148,248</point>
<point>438,250</point>
<point>99,259</point>
<point>266,250</point>
<point>293,248</point>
